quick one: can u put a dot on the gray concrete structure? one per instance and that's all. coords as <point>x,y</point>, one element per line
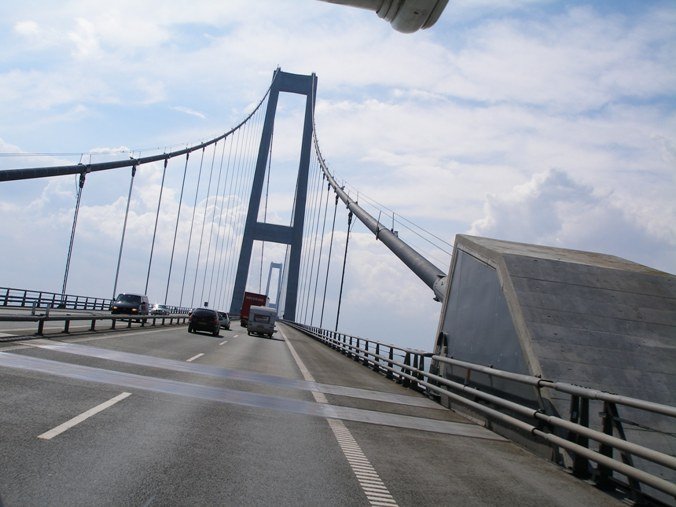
<point>585,318</point>
<point>290,235</point>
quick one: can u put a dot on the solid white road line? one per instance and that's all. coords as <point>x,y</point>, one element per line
<point>48,435</point>
<point>195,357</point>
<point>361,467</point>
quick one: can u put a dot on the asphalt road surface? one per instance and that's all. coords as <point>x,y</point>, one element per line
<point>158,416</point>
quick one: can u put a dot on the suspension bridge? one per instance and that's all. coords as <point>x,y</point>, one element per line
<point>550,377</point>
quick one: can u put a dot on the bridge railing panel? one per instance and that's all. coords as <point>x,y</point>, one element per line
<point>25,298</point>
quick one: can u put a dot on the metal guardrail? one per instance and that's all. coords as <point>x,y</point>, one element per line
<point>173,319</point>
<point>411,372</point>
<point>26,298</point>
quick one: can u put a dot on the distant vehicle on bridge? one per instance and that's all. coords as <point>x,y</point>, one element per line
<point>250,299</point>
<point>158,309</point>
<point>262,321</point>
<point>224,320</point>
<point>132,304</point>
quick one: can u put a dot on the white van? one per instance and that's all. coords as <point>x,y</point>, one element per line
<point>261,320</point>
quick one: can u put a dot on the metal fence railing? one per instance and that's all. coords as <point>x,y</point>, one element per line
<point>587,446</point>
<point>40,320</point>
<point>25,298</point>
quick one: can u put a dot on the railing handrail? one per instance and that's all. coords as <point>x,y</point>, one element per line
<point>564,387</point>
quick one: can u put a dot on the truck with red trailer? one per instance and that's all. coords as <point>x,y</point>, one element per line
<point>251,299</point>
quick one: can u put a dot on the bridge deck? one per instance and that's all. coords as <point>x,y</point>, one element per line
<point>238,419</point>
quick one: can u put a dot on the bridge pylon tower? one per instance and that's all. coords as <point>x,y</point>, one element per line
<point>262,231</point>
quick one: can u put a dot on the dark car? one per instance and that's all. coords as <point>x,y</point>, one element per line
<point>132,304</point>
<point>204,319</point>
<point>224,319</point>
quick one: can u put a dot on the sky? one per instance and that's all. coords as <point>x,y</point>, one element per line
<point>547,122</point>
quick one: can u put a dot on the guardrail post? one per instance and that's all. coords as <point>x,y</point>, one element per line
<point>611,418</point>
<point>112,326</point>
<point>390,356</point>
<point>365,361</point>
<point>41,326</point>
<point>579,414</point>
<point>23,301</point>
<point>407,361</point>
<point>376,359</point>
<point>66,326</point>
<point>93,326</point>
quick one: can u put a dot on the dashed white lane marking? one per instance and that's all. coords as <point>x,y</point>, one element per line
<point>223,342</point>
<point>48,435</point>
<point>369,480</point>
<point>195,357</point>
<point>235,336</point>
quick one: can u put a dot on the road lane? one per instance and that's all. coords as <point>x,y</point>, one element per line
<point>161,448</point>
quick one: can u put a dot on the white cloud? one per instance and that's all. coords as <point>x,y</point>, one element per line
<point>187,110</point>
<point>85,39</point>
<point>27,28</point>
<point>553,209</point>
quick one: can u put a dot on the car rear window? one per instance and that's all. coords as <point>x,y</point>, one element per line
<point>204,313</point>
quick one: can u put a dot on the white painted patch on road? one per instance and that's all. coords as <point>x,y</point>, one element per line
<point>48,435</point>
<point>369,480</point>
<point>4,335</point>
<point>223,342</point>
<point>195,357</point>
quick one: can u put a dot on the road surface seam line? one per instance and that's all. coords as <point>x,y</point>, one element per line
<point>197,356</point>
<point>48,435</point>
<point>346,441</point>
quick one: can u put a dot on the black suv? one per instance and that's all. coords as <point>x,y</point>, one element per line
<point>133,304</point>
<point>204,319</point>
